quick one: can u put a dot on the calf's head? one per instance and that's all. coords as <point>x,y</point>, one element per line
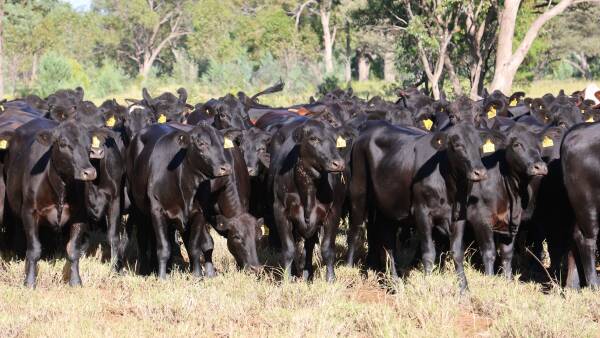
<point>524,146</point>
<point>242,233</point>
<point>318,146</point>
<point>206,150</point>
<point>254,144</point>
<point>70,144</point>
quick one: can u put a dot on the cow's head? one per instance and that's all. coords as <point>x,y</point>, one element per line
<point>63,104</point>
<point>70,144</point>
<point>138,118</point>
<point>113,114</point>
<point>464,145</point>
<point>254,144</point>
<point>523,147</point>
<point>242,233</point>
<point>206,150</point>
<point>168,107</point>
<point>319,145</point>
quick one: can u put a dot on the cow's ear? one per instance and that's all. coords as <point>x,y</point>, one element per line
<point>597,95</point>
<point>554,134</point>
<point>298,134</point>
<point>183,139</point>
<point>183,95</point>
<point>496,137</point>
<point>147,97</point>
<point>439,140</point>
<point>5,138</point>
<point>45,137</point>
<point>79,93</point>
<point>236,135</point>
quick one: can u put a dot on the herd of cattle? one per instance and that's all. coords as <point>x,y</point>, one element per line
<point>504,171</point>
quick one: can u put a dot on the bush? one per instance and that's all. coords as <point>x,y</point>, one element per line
<point>329,84</point>
<point>109,79</point>
<point>229,76</point>
<point>55,73</point>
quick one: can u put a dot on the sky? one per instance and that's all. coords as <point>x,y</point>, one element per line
<point>80,4</point>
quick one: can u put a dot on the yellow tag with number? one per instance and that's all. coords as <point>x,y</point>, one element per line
<point>111,122</point>
<point>162,118</point>
<point>95,142</point>
<point>227,143</point>
<point>590,120</point>
<point>491,113</point>
<point>340,142</point>
<point>547,142</point>
<point>488,147</point>
<point>265,230</point>
<point>3,144</point>
<point>428,123</point>
<point>513,102</point>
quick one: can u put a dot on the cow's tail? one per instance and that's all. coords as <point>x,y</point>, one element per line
<point>273,89</point>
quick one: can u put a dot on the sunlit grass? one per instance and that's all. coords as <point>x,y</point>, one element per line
<point>241,304</point>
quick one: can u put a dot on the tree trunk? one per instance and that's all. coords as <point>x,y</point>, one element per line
<point>34,67</point>
<point>328,38</point>
<point>348,61</point>
<point>389,66</point>
<point>507,62</point>
<point>1,49</point>
<point>453,77</point>
<point>364,66</point>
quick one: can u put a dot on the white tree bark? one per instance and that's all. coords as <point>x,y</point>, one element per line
<point>507,61</point>
<point>328,34</point>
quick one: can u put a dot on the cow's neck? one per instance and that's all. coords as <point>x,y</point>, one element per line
<point>458,188</point>
<point>306,182</point>
<point>190,179</point>
<point>59,186</point>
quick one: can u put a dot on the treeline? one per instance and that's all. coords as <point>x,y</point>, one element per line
<point>231,45</point>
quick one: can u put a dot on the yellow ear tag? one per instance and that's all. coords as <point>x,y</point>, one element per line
<point>547,142</point>
<point>513,102</point>
<point>583,111</point>
<point>428,124</point>
<point>111,122</point>
<point>162,118</point>
<point>488,147</point>
<point>3,144</point>
<point>591,119</point>
<point>491,113</point>
<point>95,142</point>
<point>227,143</point>
<point>264,230</point>
<point>340,142</point>
<point>1,107</point>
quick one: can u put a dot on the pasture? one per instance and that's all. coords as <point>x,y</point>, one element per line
<point>240,304</point>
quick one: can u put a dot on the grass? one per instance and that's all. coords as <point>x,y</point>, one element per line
<point>241,304</point>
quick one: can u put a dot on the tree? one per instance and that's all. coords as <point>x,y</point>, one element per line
<point>146,27</point>
<point>507,61</point>
<point>1,51</point>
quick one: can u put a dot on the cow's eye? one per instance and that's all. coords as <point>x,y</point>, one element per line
<point>517,145</point>
<point>314,139</point>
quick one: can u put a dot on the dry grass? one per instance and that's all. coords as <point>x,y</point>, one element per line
<point>240,304</point>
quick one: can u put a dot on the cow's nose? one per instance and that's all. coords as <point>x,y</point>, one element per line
<point>478,174</point>
<point>224,170</point>
<point>538,169</point>
<point>88,174</point>
<point>337,165</point>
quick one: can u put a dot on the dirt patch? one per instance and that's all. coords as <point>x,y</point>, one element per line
<point>473,325</point>
<point>370,295</point>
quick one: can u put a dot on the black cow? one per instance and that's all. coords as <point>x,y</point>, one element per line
<point>46,166</point>
<point>306,194</point>
<point>580,162</point>
<point>165,178</point>
<point>432,176</point>
<point>63,104</point>
<point>496,205</point>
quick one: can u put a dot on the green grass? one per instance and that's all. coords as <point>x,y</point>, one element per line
<point>241,304</point>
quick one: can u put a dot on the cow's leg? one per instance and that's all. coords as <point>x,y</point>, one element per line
<point>201,244</point>
<point>506,247</point>
<point>74,251</point>
<point>163,243</point>
<point>572,279</point>
<point>34,247</point>
<point>485,239</point>
<point>586,244</point>
<point>424,226</point>
<point>356,226</point>
<point>286,238</point>
<point>309,248</point>
<point>458,253</point>
<point>330,230</point>
<point>389,244</point>
<point>114,230</point>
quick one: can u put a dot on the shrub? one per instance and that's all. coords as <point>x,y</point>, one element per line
<point>329,83</point>
<point>55,73</point>
<point>109,79</point>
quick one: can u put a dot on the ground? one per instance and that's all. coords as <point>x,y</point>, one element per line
<point>243,304</point>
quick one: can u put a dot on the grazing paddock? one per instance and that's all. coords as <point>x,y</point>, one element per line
<point>239,304</point>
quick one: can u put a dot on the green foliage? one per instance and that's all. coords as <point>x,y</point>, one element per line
<point>329,84</point>
<point>109,79</point>
<point>229,76</point>
<point>57,72</point>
